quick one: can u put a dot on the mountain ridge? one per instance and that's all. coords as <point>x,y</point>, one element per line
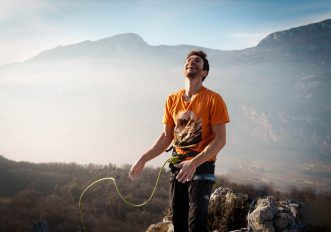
<point>289,44</point>
<point>296,34</point>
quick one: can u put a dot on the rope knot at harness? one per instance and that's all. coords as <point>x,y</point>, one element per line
<point>177,158</point>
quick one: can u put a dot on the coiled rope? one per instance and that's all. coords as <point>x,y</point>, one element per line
<point>119,193</point>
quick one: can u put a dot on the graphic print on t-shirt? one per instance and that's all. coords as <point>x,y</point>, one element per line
<point>187,130</point>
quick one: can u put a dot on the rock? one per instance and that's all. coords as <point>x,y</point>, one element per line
<point>164,226</point>
<point>271,215</point>
<point>261,218</point>
<point>227,210</point>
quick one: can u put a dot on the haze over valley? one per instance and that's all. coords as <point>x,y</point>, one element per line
<point>102,102</point>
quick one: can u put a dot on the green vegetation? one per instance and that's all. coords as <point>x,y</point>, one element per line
<point>30,192</point>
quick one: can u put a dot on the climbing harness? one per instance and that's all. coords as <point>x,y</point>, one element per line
<point>178,158</point>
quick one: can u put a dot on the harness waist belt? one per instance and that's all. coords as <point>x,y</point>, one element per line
<point>205,176</point>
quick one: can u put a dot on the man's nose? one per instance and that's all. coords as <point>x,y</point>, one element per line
<point>191,62</point>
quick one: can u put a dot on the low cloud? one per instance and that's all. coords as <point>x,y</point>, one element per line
<point>9,10</point>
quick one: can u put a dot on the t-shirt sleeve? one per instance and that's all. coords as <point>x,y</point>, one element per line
<point>219,113</point>
<point>167,117</point>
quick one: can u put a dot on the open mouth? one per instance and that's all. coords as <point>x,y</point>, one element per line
<point>190,68</point>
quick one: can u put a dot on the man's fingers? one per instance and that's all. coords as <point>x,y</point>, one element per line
<point>134,174</point>
<point>186,172</point>
<point>184,176</point>
<point>131,173</point>
<point>179,165</point>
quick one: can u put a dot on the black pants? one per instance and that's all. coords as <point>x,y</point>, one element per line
<point>189,204</point>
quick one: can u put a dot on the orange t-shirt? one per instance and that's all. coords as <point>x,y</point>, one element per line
<point>193,120</point>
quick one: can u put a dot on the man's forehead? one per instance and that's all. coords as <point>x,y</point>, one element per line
<point>194,57</point>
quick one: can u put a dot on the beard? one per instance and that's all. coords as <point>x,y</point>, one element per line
<point>191,74</point>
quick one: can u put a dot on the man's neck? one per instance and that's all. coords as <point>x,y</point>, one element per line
<point>192,86</point>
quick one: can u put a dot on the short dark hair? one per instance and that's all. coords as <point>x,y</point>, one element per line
<point>203,56</point>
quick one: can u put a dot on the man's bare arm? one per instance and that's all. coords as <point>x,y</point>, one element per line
<point>161,144</point>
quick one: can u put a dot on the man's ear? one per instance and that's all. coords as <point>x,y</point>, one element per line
<point>205,73</point>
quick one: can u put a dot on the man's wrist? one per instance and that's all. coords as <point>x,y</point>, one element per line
<point>195,161</point>
<point>143,158</point>
<point>200,158</point>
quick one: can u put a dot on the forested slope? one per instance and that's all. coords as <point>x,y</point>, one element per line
<point>32,192</point>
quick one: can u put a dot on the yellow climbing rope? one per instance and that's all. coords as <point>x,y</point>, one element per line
<point>119,193</point>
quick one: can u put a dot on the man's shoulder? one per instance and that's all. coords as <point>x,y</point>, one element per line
<point>211,92</point>
<point>177,93</point>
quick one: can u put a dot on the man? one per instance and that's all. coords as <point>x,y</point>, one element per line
<point>194,122</point>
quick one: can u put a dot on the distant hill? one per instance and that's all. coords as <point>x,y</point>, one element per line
<point>31,192</point>
<point>99,97</point>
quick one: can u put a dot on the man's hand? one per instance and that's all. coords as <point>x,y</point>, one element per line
<point>159,146</point>
<point>187,170</point>
<point>137,169</point>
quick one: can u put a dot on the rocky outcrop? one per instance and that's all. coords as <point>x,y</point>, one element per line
<point>230,211</point>
<point>164,226</point>
<point>161,227</point>
<point>227,210</point>
<point>271,215</point>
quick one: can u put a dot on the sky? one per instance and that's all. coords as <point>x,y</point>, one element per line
<point>30,27</point>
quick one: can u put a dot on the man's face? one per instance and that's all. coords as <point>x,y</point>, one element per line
<point>193,67</point>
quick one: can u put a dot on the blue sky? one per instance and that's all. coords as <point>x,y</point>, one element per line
<point>29,27</point>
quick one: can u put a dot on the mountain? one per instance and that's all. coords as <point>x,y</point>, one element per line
<point>103,100</point>
<point>108,47</point>
<point>302,40</point>
<point>312,39</point>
